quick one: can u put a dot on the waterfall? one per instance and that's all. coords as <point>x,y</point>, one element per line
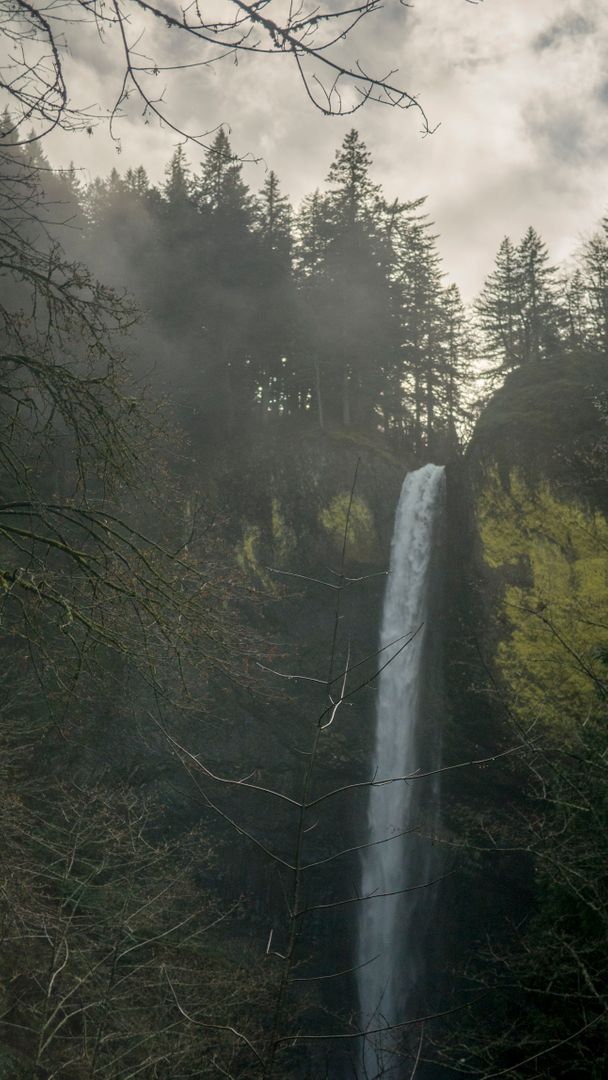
<point>390,928</point>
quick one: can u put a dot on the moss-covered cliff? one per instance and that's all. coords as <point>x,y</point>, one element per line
<point>541,541</point>
<point>528,687</point>
<point>545,555</point>
<point>283,499</point>
<point>285,496</point>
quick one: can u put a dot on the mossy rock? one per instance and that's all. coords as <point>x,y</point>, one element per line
<point>362,542</point>
<point>549,556</point>
<point>248,556</point>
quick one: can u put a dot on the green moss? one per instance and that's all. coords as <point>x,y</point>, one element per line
<point>556,610</point>
<point>283,537</point>
<point>362,537</point>
<point>248,559</point>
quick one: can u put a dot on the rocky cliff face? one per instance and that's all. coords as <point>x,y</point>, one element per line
<point>281,499</point>
<point>283,504</point>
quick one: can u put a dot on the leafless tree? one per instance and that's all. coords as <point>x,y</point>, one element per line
<point>103,928</point>
<point>40,37</point>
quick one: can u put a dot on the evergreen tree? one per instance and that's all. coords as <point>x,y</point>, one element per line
<point>34,156</point>
<point>359,316</point>
<point>538,312</point>
<point>174,280</point>
<point>312,236</point>
<point>178,186</point>
<point>272,328</point>
<point>9,129</point>
<point>594,268</point>
<point>220,189</point>
<point>137,182</point>
<point>578,321</point>
<point>520,319</point>
<point>311,278</point>
<point>498,311</point>
<point>225,269</point>
<point>418,274</point>
<point>456,352</point>
<point>273,219</point>
<point>74,184</point>
<point>352,196</point>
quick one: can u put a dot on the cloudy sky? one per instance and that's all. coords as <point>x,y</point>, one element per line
<point>519,89</point>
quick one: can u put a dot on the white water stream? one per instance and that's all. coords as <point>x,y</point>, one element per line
<point>390,927</point>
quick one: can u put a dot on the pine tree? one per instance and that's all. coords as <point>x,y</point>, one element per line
<point>520,319</point>
<point>456,352</point>
<point>498,311</point>
<point>178,186</point>
<point>34,156</point>
<point>594,268</point>
<point>9,129</point>
<point>137,182</point>
<point>226,275</point>
<point>74,183</point>
<point>220,189</point>
<point>272,329</point>
<point>352,196</point>
<point>579,328</point>
<point>539,315</point>
<point>418,276</point>
<point>360,313</point>
<point>312,282</point>
<point>312,236</point>
<point>273,218</point>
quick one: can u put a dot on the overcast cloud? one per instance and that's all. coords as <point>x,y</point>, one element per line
<point>519,88</point>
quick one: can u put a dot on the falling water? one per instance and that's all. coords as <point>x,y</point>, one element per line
<point>390,927</point>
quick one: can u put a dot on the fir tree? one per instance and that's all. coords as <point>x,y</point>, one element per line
<point>519,317</point>
<point>538,311</point>
<point>310,257</point>
<point>457,352</point>
<point>272,329</point>
<point>226,271</point>
<point>352,195</point>
<point>220,188</point>
<point>594,268</point>
<point>417,269</point>
<point>578,318</point>
<point>178,186</point>
<point>273,218</point>
<point>312,236</point>
<point>137,182</point>
<point>498,309</point>
<point>360,320</point>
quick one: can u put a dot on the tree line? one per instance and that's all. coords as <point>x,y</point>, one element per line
<point>337,311</point>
